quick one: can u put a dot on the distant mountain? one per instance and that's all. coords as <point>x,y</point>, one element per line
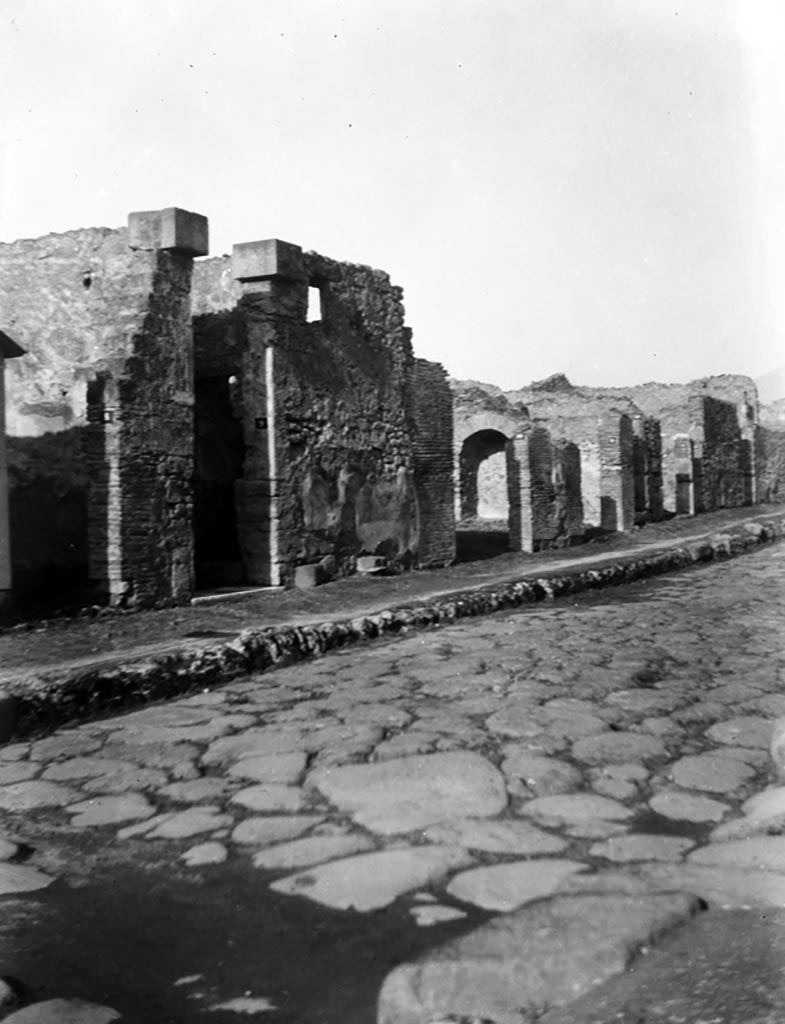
<point>771,385</point>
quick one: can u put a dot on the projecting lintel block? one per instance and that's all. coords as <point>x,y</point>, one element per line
<point>172,228</point>
<point>270,258</point>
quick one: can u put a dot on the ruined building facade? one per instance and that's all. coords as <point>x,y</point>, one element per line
<point>173,418</point>
<point>561,463</point>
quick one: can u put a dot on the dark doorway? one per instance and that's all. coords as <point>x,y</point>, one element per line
<point>218,458</point>
<point>483,526</point>
<point>683,494</point>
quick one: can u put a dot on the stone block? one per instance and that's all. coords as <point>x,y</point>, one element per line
<point>171,228</point>
<point>257,261</point>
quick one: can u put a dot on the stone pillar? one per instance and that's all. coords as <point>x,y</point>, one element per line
<point>274,296</point>
<point>519,492</point>
<point>140,444</point>
<point>617,488</point>
<point>8,350</point>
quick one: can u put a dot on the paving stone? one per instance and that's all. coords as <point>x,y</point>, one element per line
<point>646,701</point>
<point>343,736</point>
<point>680,806</point>
<point>191,822</point>
<point>406,744</point>
<point>413,792</point>
<point>300,853</point>
<point>523,720</point>
<point>574,809</point>
<point>8,849</point>
<point>619,748</point>
<point>142,827</point>
<point>385,716</point>
<point>197,791</point>
<point>700,713</point>
<point>283,768</point>
<point>252,743</point>
<point>178,759</point>
<point>27,796</point>
<point>506,887</point>
<point>426,917</point>
<point>274,829</point>
<point>765,853</point>
<point>609,881</point>
<point>14,751</point>
<point>205,853</point>
<point>370,881</point>
<point>204,732</point>
<point>720,887</point>
<point>68,744</point>
<point>710,774</point>
<point>110,810</point>
<point>749,731</point>
<point>772,705</point>
<point>544,776</point>
<point>642,847</point>
<point>63,1011</point>
<point>18,771</point>
<point>273,797</point>
<point>124,780</point>
<point>733,693</point>
<point>21,878</point>
<point>756,757</point>
<point>495,837</point>
<point>84,768</point>
<point>174,715</point>
<point>517,965</point>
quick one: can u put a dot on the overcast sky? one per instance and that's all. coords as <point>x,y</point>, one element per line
<point>594,187</point>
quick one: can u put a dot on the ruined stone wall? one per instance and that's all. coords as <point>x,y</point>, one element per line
<point>334,466</point>
<point>98,412</point>
<point>432,423</point>
<point>770,464</point>
<point>544,491</point>
<point>726,458</point>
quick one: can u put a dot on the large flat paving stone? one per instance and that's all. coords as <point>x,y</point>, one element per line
<point>301,853</point>
<point>496,837</point>
<point>722,968</point>
<point>746,731</point>
<point>275,828</point>
<point>544,776</point>
<point>575,809</point>
<point>27,796</point>
<point>64,1011</point>
<point>110,810</point>
<point>619,748</point>
<point>757,852</point>
<point>763,813</point>
<point>518,965</point>
<point>413,792</point>
<point>16,878</point>
<point>719,886</point>
<point>371,881</point>
<point>642,847</point>
<point>506,887</point>
<point>681,806</point>
<point>710,774</point>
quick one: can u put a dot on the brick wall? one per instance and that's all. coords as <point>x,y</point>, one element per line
<point>432,421</point>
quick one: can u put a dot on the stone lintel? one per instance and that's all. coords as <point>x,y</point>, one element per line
<point>171,228</point>
<point>270,258</point>
<point>9,348</point>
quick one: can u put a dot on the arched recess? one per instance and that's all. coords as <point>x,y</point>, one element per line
<point>483,476</point>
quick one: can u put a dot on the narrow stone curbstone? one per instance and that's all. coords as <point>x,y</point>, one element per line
<point>46,701</point>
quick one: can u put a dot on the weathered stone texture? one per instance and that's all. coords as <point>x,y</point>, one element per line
<point>433,463</point>
<point>346,447</point>
<point>99,415</point>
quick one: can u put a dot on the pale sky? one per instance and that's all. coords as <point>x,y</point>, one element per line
<point>593,187</point>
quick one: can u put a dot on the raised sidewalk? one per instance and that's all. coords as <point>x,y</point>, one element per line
<point>71,669</point>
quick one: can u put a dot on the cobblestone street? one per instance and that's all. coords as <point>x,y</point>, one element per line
<point>492,817</point>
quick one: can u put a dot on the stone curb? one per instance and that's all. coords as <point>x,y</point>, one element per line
<point>48,700</point>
